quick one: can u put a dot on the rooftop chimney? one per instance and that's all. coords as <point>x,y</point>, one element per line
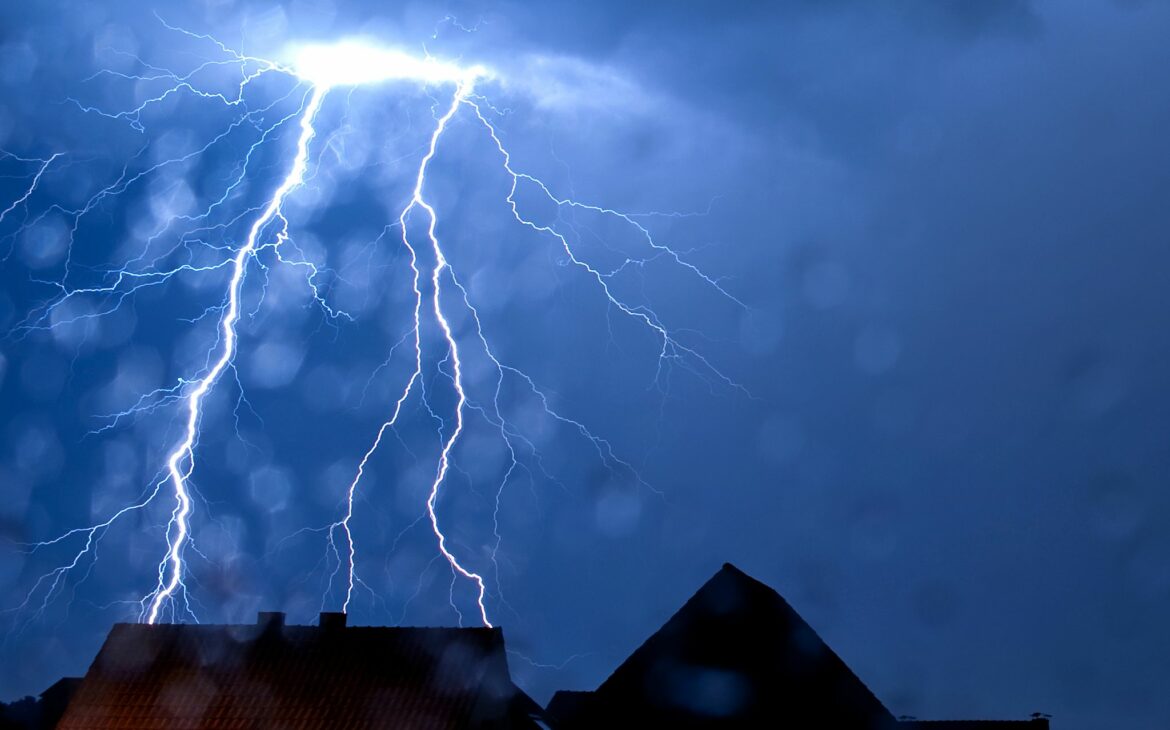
<point>270,619</point>
<point>331,620</point>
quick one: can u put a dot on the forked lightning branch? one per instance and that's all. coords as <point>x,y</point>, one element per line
<point>324,72</point>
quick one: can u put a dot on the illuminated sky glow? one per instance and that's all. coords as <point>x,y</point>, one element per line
<point>358,63</point>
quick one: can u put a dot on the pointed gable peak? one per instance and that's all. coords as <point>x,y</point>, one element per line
<point>732,592</point>
<point>740,632</point>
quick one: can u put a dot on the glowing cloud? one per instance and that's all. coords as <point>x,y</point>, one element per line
<point>357,63</point>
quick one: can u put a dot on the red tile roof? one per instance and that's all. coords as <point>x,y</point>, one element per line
<point>180,677</point>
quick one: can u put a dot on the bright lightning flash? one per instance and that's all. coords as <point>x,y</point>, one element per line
<point>317,69</point>
<point>357,63</point>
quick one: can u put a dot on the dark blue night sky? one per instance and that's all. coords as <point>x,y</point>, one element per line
<point>921,386</point>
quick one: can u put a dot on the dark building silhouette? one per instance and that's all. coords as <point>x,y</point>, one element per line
<point>55,699</point>
<point>39,713</point>
<point>271,675</point>
<point>1036,723</point>
<point>736,655</point>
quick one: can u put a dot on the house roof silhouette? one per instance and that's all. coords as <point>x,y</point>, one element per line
<point>736,655</point>
<point>269,675</point>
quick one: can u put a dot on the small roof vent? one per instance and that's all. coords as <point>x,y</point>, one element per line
<point>331,620</point>
<point>270,619</point>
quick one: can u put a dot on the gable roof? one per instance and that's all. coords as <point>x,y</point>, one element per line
<point>182,676</point>
<point>735,654</point>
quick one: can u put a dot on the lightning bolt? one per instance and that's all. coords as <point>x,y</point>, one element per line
<point>320,69</point>
<point>417,201</point>
<point>181,461</point>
